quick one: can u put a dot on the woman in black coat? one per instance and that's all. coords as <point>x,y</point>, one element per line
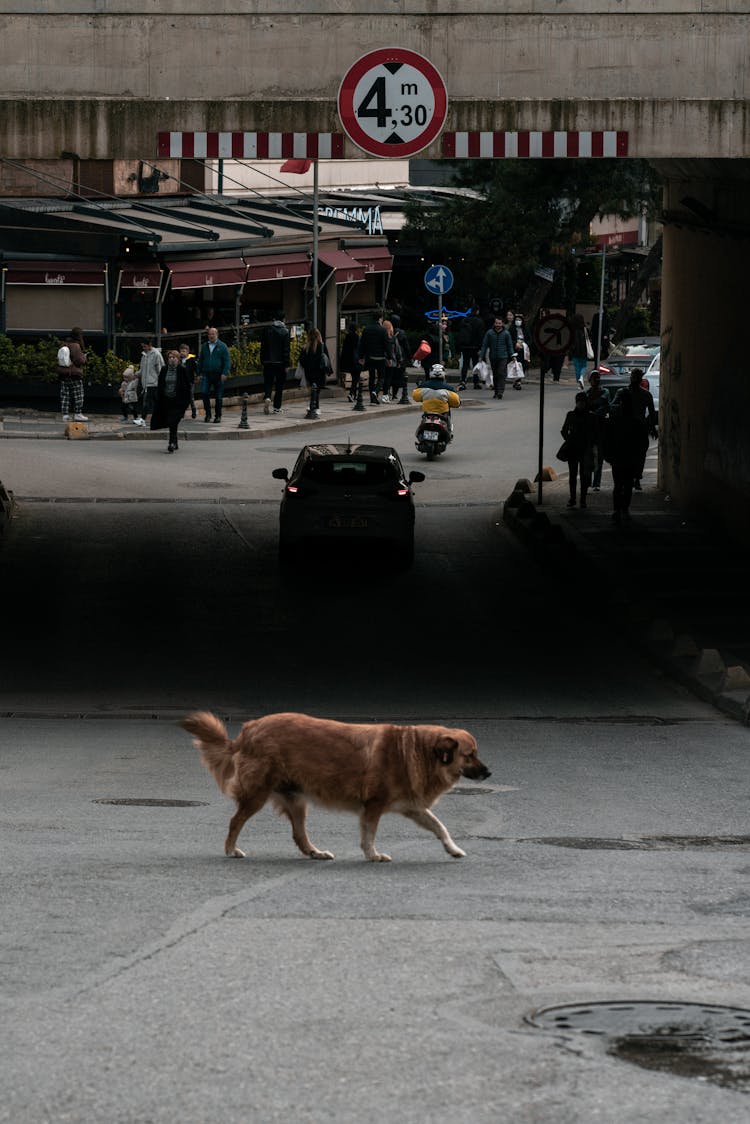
<point>172,398</point>
<point>314,361</point>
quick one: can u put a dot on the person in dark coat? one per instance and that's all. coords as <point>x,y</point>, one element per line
<point>349,362</point>
<point>578,432</point>
<point>374,349</point>
<point>312,360</point>
<point>625,441</point>
<point>172,398</point>
<point>469,340</point>
<point>274,359</point>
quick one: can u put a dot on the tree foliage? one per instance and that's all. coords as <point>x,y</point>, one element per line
<point>515,215</point>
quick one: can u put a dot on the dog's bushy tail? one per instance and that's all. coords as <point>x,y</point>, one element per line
<point>215,746</point>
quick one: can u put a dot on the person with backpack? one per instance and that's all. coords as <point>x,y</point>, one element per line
<point>70,363</point>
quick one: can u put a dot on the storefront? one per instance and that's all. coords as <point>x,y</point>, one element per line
<point>50,297</point>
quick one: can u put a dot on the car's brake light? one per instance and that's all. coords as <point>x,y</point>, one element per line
<point>402,492</point>
<point>293,488</point>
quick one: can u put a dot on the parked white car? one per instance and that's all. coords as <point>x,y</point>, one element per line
<point>652,376</point>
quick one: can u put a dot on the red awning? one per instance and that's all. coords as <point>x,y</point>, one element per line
<point>278,267</point>
<point>376,260</point>
<point>140,277</point>
<point>55,273</point>
<point>198,274</point>
<point>347,270</point>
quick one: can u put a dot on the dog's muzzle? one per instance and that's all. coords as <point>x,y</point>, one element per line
<point>476,772</point>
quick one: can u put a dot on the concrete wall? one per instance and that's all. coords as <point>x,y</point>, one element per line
<point>102,78</point>
<point>705,378</point>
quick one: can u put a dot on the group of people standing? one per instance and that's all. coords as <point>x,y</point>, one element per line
<point>382,350</point>
<point>599,430</point>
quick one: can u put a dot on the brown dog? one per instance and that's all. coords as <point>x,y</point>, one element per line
<point>291,759</point>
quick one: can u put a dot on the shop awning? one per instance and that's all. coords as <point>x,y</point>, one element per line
<point>376,260</point>
<point>140,277</point>
<point>199,274</point>
<point>55,273</point>
<point>278,267</point>
<point>346,268</point>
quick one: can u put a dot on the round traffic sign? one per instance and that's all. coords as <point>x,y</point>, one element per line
<point>439,279</point>
<point>552,333</point>
<point>392,102</point>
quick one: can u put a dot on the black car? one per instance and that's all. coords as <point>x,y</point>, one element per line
<point>347,494</point>
<point>638,351</point>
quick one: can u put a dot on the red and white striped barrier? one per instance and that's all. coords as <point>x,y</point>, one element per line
<point>252,146</point>
<point>578,144</point>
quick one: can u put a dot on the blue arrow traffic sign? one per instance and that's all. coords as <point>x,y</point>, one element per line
<point>438,279</point>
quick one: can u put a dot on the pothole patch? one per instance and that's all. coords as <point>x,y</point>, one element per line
<point>704,1041</point>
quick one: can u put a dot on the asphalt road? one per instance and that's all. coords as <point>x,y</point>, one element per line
<point>144,978</point>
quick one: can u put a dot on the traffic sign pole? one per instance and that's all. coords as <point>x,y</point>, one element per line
<point>439,279</point>
<point>552,335</point>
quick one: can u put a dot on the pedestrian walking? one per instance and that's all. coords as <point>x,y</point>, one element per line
<point>314,362</point>
<point>374,349</point>
<point>644,412</point>
<point>469,340</point>
<point>599,407</point>
<point>578,433</point>
<point>497,348</point>
<point>214,365</point>
<point>625,441</point>
<point>394,366</point>
<point>172,398</point>
<point>274,358</point>
<point>149,370</point>
<point>348,361</point>
<point>399,379</point>
<point>579,347</point>
<point>71,359</point>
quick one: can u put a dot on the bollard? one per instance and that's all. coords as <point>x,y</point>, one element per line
<point>312,410</point>
<point>359,404</point>
<point>243,416</point>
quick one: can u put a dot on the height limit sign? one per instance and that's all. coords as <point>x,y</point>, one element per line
<point>392,102</point>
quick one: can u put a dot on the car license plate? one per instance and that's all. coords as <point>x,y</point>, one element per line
<point>429,435</point>
<point>357,521</point>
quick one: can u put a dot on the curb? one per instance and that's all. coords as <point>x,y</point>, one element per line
<point>703,671</point>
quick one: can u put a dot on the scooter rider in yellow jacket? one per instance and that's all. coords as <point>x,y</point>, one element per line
<point>435,395</point>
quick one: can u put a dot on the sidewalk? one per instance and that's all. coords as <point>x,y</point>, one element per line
<point>679,590</point>
<point>334,409</point>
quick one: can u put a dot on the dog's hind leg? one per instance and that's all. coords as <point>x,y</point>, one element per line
<point>295,809</point>
<point>429,821</point>
<point>369,818</point>
<point>245,809</point>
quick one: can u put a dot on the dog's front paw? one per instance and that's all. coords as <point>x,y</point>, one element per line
<point>456,852</point>
<point>321,855</point>
<point>236,853</point>
<point>379,857</point>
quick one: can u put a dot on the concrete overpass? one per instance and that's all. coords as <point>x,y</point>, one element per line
<point>668,80</point>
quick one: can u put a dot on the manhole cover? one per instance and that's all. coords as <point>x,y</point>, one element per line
<point>705,1022</point>
<point>141,802</point>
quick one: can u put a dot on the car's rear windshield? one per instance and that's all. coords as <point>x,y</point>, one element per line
<point>631,349</point>
<point>367,473</point>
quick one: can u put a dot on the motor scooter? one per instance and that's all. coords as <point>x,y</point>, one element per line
<point>434,434</point>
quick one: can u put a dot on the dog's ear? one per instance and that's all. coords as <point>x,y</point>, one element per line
<point>445,749</point>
